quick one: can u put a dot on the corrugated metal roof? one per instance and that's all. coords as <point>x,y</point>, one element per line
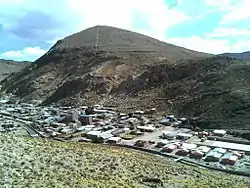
<point>214,154</point>
<point>184,134</point>
<point>94,133</point>
<point>230,156</point>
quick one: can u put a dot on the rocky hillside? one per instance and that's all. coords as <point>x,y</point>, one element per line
<point>130,70</point>
<point>216,89</point>
<point>8,67</point>
<point>74,70</point>
<point>243,55</point>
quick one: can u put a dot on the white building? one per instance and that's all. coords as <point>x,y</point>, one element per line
<point>168,135</point>
<point>67,131</point>
<point>183,136</point>
<point>219,132</point>
<point>114,140</point>
<point>204,149</point>
<point>213,156</point>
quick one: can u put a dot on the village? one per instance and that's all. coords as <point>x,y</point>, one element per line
<point>176,137</point>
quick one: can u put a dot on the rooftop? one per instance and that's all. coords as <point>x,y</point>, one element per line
<point>227,145</point>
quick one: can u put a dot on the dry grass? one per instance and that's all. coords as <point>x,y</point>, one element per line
<point>27,162</point>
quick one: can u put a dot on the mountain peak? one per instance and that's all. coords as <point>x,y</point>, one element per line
<point>120,41</point>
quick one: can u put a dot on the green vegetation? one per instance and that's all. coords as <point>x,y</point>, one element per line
<point>27,162</point>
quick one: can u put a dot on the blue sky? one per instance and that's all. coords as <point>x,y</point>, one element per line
<point>28,28</point>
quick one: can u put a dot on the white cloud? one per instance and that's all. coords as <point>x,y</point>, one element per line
<point>56,22</point>
<point>241,46</point>
<point>213,46</point>
<point>219,3</point>
<point>156,13</point>
<point>76,15</point>
<point>28,53</point>
<point>233,10</point>
<point>229,32</point>
<point>239,11</point>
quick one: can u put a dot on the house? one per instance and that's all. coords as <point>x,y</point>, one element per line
<point>229,158</point>
<point>213,156</point>
<point>165,121</point>
<point>99,136</point>
<point>238,154</point>
<point>5,101</point>
<point>146,128</point>
<point>82,128</point>
<point>219,132</point>
<point>177,123</point>
<point>86,119</point>
<point>153,109</point>
<point>204,149</point>
<point>75,116</point>
<point>89,127</point>
<point>93,135</point>
<point>168,135</point>
<point>141,143</point>
<point>139,112</point>
<point>184,120</point>
<point>162,143</point>
<point>203,134</point>
<point>220,150</point>
<point>189,146</point>
<point>182,151</point>
<point>106,135</point>
<point>114,140</point>
<point>100,111</point>
<point>169,148</point>
<point>183,136</point>
<point>97,106</point>
<point>67,131</point>
<point>55,124</point>
<point>197,154</point>
<point>79,134</point>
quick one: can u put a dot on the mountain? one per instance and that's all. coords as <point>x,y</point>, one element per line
<point>216,89</point>
<point>8,67</point>
<point>77,70</point>
<point>130,70</point>
<point>243,55</point>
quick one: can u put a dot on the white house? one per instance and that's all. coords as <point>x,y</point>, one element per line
<point>219,132</point>
<point>168,135</point>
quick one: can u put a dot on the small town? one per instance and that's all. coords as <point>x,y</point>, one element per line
<point>171,136</point>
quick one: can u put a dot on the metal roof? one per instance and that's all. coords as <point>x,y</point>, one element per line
<point>214,154</point>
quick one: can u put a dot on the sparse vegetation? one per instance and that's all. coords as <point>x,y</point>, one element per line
<point>8,67</point>
<point>27,162</point>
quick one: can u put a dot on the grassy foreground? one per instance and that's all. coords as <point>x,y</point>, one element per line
<point>26,162</point>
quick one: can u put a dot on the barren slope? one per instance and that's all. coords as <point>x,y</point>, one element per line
<point>71,69</point>
<point>8,67</point>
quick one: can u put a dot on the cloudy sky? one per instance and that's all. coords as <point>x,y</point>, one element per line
<point>28,28</point>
